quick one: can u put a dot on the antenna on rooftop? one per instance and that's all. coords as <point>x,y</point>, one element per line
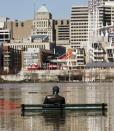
<point>34,4</point>
<point>44,4</point>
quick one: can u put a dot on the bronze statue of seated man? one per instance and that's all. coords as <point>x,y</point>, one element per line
<point>54,99</point>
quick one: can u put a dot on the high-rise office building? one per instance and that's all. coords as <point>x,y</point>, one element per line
<point>79,32</point>
<point>101,13</point>
<point>43,25</point>
<point>61,35</point>
<point>20,29</point>
<point>79,26</point>
<point>110,4</point>
<point>62,32</point>
<point>100,16</point>
<point>62,29</point>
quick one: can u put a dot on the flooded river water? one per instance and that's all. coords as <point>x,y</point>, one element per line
<point>13,95</point>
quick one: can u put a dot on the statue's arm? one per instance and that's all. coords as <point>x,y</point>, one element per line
<point>63,100</point>
<point>45,100</point>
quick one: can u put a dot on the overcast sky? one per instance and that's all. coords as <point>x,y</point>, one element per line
<point>24,9</point>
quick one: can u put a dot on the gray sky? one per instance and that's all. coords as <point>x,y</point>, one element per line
<point>24,9</point>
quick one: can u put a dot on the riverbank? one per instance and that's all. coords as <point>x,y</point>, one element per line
<point>50,81</point>
<point>78,75</point>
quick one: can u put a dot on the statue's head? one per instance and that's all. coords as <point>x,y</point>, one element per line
<point>55,90</point>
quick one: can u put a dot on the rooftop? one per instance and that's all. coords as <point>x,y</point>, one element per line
<point>100,65</point>
<point>43,9</point>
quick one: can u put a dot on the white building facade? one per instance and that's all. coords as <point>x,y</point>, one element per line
<point>31,58</point>
<point>43,25</point>
<point>5,34</point>
<point>100,20</point>
<point>28,44</point>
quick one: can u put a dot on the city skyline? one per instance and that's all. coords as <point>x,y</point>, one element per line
<point>24,9</point>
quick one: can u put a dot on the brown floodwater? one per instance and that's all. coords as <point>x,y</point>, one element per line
<point>13,95</point>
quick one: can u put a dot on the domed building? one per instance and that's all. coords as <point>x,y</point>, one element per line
<point>43,25</point>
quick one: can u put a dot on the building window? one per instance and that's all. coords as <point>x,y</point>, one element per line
<point>56,22</point>
<point>49,23</point>
<point>61,22</point>
<point>16,24</point>
<point>22,24</point>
